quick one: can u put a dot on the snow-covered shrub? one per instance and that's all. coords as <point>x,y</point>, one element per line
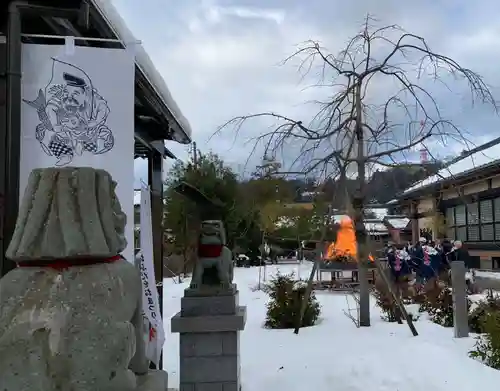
<point>481,310</point>
<point>384,299</point>
<point>487,347</point>
<point>428,295</point>
<point>286,295</point>
<point>441,310</point>
<point>439,305</point>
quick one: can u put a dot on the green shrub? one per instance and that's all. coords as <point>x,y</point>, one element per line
<point>441,311</point>
<point>286,295</point>
<point>483,308</point>
<point>385,301</point>
<point>487,347</point>
<point>439,305</point>
<point>424,305</point>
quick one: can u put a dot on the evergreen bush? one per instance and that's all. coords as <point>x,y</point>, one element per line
<point>483,308</point>
<point>487,347</point>
<point>286,295</point>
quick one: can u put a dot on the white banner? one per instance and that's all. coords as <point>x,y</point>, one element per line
<point>150,299</point>
<point>78,110</point>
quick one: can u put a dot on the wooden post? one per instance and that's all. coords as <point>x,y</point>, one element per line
<point>415,231</point>
<point>459,293</point>
<point>435,219</point>
<point>309,287</point>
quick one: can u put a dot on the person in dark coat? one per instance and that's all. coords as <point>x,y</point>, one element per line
<point>459,253</point>
<point>447,246</point>
<point>398,263</point>
<point>430,264</point>
<point>417,256</point>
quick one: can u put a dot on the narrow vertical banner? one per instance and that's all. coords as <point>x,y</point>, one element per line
<point>78,110</point>
<point>150,299</point>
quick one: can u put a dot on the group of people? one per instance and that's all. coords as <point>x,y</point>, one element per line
<point>426,260</point>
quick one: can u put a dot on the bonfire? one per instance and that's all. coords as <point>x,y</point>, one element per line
<point>345,248</point>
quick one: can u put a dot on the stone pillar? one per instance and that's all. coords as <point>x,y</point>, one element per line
<point>209,325</point>
<point>459,292</point>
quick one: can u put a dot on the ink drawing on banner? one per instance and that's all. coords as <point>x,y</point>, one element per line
<point>72,115</point>
<point>78,110</point>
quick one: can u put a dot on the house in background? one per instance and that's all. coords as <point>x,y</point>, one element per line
<point>461,202</point>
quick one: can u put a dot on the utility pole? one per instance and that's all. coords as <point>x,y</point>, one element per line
<point>358,204</point>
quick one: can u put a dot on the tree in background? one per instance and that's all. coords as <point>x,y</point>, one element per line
<point>358,125</point>
<point>182,216</point>
<point>264,197</point>
<point>296,223</point>
<point>259,191</point>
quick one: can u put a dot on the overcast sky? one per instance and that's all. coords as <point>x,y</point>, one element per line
<point>220,58</point>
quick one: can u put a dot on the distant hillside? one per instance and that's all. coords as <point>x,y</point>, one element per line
<point>382,186</point>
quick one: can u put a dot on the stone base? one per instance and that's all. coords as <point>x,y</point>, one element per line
<point>209,328</point>
<point>210,291</point>
<point>209,324</point>
<point>226,386</point>
<point>195,303</point>
<point>153,381</point>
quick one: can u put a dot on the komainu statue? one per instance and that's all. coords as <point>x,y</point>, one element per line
<point>70,313</point>
<point>214,266</point>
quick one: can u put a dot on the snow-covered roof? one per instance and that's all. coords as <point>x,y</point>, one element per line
<point>379,213</point>
<point>398,222</point>
<point>375,226</point>
<point>468,164</point>
<point>371,225</point>
<point>144,63</point>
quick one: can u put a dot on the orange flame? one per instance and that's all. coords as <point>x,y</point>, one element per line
<point>346,244</point>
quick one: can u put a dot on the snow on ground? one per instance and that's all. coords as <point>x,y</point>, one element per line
<point>335,355</point>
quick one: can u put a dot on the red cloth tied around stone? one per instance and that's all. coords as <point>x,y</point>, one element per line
<point>63,264</point>
<point>209,250</point>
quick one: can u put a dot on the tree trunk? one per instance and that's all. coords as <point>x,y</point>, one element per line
<point>262,258</point>
<point>358,204</point>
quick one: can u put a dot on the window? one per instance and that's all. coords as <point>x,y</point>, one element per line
<point>474,222</point>
<point>461,233</point>
<point>473,233</point>
<point>486,211</point>
<point>473,213</point>
<point>450,217</point>
<point>460,217</point>
<point>487,232</point>
<point>496,206</point>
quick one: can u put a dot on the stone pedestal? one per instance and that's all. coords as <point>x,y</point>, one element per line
<point>209,324</point>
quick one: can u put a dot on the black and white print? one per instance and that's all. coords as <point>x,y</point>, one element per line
<point>72,115</point>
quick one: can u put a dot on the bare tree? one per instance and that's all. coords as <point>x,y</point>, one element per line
<point>351,130</point>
